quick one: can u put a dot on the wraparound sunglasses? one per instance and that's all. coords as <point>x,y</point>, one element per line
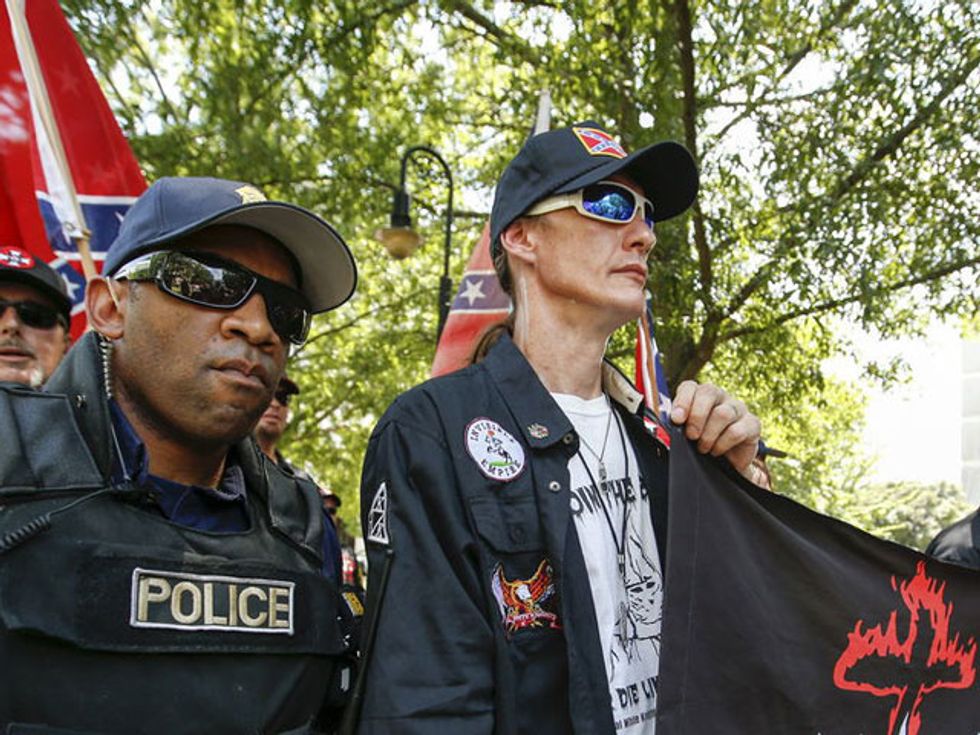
<point>208,280</point>
<point>606,201</point>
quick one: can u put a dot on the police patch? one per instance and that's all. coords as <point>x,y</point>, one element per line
<point>527,603</point>
<point>11,257</point>
<point>378,517</point>
<point>353,604</point>
<point>498,454</point>
<point>182,601</point>
<point>599,142</point>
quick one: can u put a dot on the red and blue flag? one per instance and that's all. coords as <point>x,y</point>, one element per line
<point>480,302</point>
<point>66,170</point>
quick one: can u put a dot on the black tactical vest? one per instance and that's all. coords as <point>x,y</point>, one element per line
<point>115,620</point>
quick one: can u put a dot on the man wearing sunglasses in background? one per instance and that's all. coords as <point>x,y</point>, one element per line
<point>35,312</point>
<point>272,425</point>
<point>158,574</point>
<point>516,510</point>
<point>273,422</point>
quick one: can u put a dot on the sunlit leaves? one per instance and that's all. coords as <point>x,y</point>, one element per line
<point>839,144</point>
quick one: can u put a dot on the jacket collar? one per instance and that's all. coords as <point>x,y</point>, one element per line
<point>541,420</point>
<point>80,377</point>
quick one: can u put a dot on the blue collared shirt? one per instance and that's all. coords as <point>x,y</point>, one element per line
<point>223,509</point>
<point>219,510</point>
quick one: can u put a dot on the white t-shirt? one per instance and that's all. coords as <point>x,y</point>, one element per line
<point>628,605</point>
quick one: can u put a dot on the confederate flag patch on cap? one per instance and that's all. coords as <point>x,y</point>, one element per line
<point>599,143</point>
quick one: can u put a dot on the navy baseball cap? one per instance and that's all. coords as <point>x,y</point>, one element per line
<point>175,207</point>
<point>19,266</point>
<point>567,159</point>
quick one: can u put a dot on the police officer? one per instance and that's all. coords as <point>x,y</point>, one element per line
<point>34,316</point>
<point>517,508</point>
<point>157,573</point>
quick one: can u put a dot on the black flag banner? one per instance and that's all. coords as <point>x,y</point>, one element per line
<point>782,621</point>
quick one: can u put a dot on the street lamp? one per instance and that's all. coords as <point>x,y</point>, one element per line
<point>400,240</point>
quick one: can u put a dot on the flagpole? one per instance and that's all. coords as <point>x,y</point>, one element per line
<point>542,120</point>
<point>17,12</point>
<point>651,389</point>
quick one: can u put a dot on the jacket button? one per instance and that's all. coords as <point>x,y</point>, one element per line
<point>568,438</point>
<point>517,535</point>
<point>554,486</point>
<point>80,400</point>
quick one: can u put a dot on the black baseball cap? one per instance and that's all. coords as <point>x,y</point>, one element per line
<point>567,159</point>
<point>20,266</point>
<point>175,207</point>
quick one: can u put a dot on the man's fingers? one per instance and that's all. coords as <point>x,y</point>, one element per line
<point>739,441</point>
<point>721,425</point>
<point>705,400</point>
<point>719,420</point>
<point>681,404</point>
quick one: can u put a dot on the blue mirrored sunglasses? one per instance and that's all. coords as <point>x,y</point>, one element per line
<point>606,201</point>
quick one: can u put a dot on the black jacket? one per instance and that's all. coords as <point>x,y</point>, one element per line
<point>115,620</point>
<point>442,660</point>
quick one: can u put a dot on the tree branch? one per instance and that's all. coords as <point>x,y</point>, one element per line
<point>682,12</point>
<point>148,64</point>
<point>363,315</point>
<point>792,62</point>
<point>887,147</point>
<point>336,38</point>
<point>503,38</point>
<point>833,304</point>
<point>892,143</point>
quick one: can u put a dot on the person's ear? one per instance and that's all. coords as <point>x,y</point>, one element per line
<point>105,304</point>
<point>520,240</point>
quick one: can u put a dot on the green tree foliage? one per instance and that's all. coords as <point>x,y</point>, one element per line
<point>908,513</point>
<point>837,141</point>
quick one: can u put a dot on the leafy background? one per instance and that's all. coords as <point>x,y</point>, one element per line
<point>837,140</point>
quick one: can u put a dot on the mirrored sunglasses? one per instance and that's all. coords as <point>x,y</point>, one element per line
<point>606,201</point>
<point>33,314</point>
<point>208,280</point>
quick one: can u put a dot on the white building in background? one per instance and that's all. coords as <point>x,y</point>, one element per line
<point>971,420</point>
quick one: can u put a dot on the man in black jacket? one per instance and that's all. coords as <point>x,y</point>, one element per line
<point>515,511</point>
<point>157,573</point>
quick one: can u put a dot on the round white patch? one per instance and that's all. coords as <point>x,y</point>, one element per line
<point>498,454</point>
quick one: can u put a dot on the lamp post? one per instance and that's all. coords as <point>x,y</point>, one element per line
<point>401,240</point>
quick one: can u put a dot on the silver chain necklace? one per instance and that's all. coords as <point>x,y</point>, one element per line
<point>619,541</point>
<point>600,456</point>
